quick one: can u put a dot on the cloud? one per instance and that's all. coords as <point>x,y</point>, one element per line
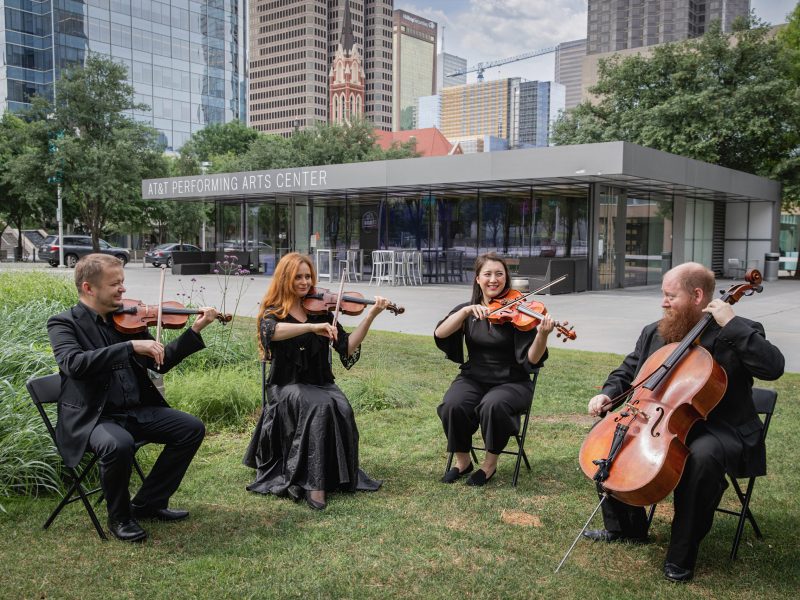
<point>484,30</point>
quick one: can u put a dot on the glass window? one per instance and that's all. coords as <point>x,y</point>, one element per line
<point>121,35</point>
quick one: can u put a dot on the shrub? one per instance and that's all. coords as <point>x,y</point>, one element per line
<point>17,289</point>
<point>222,399</point>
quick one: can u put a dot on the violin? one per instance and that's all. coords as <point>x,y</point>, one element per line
<point>638,455</point>
<point>524,315</point>
<point>320,301</point>
<point>134,316</point>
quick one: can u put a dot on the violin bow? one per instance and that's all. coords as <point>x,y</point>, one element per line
<point>160,304</point>
<point>521,298</point>
<point>336,317</point>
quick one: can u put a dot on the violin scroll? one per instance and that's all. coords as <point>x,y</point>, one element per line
<point>568,333</point>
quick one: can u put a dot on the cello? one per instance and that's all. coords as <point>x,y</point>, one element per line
<point>638,455</point>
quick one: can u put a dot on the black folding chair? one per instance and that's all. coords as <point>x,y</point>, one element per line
<point>45,390</point>
<point>520,437</point>
<point>764,401</point>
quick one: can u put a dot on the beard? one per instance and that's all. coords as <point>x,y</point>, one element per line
<point>674,325</point>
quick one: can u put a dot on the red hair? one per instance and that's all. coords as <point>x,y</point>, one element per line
<point>280,295</point>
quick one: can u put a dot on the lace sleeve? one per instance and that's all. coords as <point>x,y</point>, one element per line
<point>341,348</point>
<point>267,330</point>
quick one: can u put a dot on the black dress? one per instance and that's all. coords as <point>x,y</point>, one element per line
<point>307,434</point>
<point>493,387</point>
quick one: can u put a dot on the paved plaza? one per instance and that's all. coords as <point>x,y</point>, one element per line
<point>605,321</point>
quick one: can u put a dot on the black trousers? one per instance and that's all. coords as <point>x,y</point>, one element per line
<point>695,498</point>
<point>468,404</point>
<point>114,441</point>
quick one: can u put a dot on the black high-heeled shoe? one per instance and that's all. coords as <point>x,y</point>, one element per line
<point>314,504</point>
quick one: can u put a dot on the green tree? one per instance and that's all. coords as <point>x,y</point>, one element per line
<point>789,168</point>
<point>219,138</point>
<point>103,154</point>
<point>18,203</point>
<point>727,99</point>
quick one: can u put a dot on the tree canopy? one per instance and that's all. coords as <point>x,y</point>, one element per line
<point>727,99</point>
<point>87,140</point>
<point>322,144</point>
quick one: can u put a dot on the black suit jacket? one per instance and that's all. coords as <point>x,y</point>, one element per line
<point>742,350</point>
<point>86,363</point>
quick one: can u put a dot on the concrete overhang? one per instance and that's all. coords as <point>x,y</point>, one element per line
<point>614,163</point>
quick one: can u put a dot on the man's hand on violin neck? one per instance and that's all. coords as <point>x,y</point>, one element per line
<point>150,348</point>
<point>208,314</point>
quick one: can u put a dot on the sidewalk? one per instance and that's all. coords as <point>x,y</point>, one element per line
<point>605,321</point>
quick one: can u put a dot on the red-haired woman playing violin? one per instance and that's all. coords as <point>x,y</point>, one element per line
<point>494,384</point>
<point>306,441</point>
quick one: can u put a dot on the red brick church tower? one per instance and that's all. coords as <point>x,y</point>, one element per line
<point>346,76</point>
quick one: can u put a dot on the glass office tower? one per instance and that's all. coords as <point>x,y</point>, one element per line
<point>186,59</point>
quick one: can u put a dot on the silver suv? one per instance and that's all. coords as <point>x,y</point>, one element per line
<point>76,246</point>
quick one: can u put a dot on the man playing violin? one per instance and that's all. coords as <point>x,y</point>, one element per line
<point>729,440</point>
<point>108,402</point>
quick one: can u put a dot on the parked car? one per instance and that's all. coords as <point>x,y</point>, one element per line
<point>162,255</point>
<point>76,246</point>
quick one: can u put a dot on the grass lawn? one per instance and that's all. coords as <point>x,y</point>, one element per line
<point>415,538</point>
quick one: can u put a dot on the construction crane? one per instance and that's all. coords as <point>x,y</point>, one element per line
<point>482,66</point>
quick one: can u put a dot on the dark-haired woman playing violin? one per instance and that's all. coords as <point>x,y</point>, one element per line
<point>306,441</point>
<point>494,385</point>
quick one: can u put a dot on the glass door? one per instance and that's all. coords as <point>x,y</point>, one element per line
<point>607,272</point>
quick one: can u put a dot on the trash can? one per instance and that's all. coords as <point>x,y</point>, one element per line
<point>521,284</point>
<point>666,262</point>
<point>771,262</point>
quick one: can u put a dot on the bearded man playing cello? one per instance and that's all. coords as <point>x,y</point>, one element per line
<point>728,441</point>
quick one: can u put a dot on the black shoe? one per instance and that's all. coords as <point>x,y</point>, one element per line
<point>295,492</point>
<point>127,531</point>
<point>677,574</point>
<point>604,535</point>
<point>454,474</point>
<point>314,504</point>
<point>161,514</point>
<point>479,478</point>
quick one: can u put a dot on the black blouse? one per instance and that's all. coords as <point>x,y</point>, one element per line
<point>304,358</point>
<point>497,353</point>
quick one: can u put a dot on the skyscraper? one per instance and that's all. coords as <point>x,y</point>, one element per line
<point>477,110</point>
<point>446,64</point>
<point>414,66</point>
<point>620,24</point>
<point>569,58</point>
<point>186,60</point>
<point>293,44</point>
<point>540,103</point>
<point>520,113</point>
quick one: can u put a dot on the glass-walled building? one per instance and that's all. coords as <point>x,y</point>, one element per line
<point>186,59</point>
<point>618,213</point>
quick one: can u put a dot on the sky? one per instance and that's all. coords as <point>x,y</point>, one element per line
<point>485,30</point>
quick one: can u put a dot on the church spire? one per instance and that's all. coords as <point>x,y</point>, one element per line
<point>346,37</point>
